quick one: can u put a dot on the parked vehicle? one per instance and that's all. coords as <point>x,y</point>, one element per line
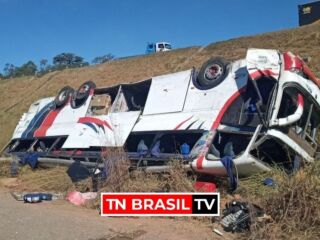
<point>158,47</point>
<point>260,111</point>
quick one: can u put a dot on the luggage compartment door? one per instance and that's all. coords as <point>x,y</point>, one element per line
<point>167,93</point>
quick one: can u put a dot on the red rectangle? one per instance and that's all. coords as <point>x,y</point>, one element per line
<point>147,204</point>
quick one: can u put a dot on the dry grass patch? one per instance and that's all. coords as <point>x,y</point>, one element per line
<point>294,206</point>
<point>176,179</point>
<point>5,168</point>
<point>119,179</point>
<point>252,187</point>
<point>52,179</point>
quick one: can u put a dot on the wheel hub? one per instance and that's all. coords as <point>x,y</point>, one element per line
<point>213,72</point>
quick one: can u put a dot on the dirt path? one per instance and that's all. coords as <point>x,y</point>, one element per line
<point>61,220</point>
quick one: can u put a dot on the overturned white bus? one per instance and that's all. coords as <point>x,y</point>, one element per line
<point>260,111</point>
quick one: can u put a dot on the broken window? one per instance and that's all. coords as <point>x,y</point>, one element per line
<point>244,111</point>
<point>171,143</point>
<point>132,97</point>
<point>282,158</point>
<point>288,102</point>
<point>37,145</point>
<point>136,94</point>
<point>223,140</point>
<point>102,100</point>
<point>121,98</point>
<point>304,131</point>
<point>135,138</point>
<point>120,104</point>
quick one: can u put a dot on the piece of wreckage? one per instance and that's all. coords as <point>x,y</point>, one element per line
<point>258,111</point>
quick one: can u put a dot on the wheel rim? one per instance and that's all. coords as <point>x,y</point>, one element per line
<point>84,89</point>
<point>213,72</point>
<point>62,96</point>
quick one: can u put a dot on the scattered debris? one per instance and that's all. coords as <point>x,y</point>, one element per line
<point>217,232</point>
<point>264,219</point>
<point>269,182</point>
<point>78,198</point>
<point>30,158</point>
<point>45,196</point>
<point>78,172</point>
<point>227,162</point>
<point>205,186</point>
<point>37,197</point>
<point>238,216</point>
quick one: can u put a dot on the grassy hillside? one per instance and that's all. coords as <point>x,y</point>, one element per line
<point>17,94</point>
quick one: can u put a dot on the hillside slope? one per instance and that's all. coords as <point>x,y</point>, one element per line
<point>17,94</point>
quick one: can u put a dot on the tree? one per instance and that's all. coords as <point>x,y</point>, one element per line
<point>68,60</point>
<point>43,64</point>
<point>102,59</point>
<point>9,70</point>
<point>27,69</point>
